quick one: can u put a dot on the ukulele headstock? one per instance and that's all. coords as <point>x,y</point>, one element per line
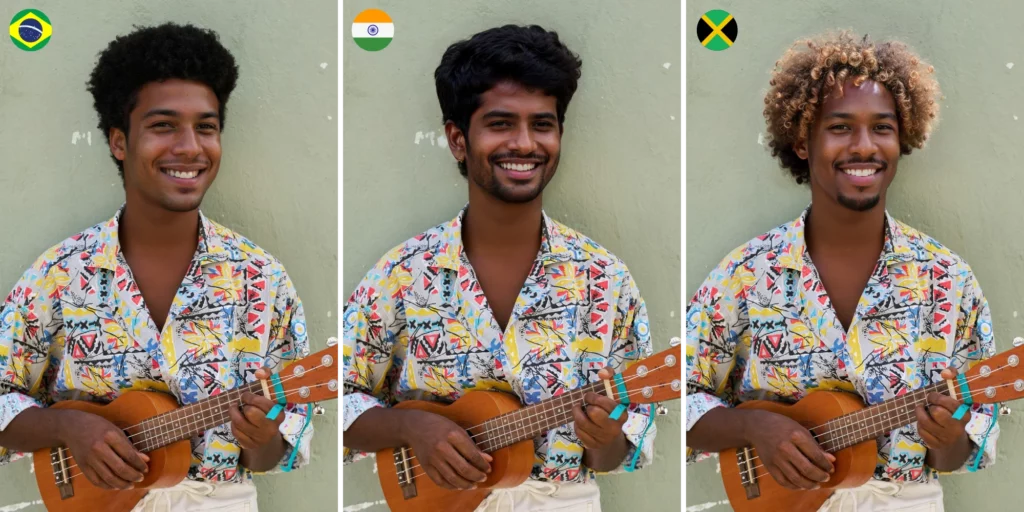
<point>312,378</point>
<point>999,378</point>
<point>654,379</point>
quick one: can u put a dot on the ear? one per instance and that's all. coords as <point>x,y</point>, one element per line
<point>800,148</point>
<point>456,140</point>
<point>118,144</point>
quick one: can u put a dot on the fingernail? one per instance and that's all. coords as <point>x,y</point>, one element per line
<point>473,487</point>
<point>816,487</point>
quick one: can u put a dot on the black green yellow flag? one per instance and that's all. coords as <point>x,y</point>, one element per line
<point>717,30</point>
<point>30,30</point>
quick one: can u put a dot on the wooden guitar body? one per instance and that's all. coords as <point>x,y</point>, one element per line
<point>511,465</point>
<point>167,466</point>
<point>854,466</point>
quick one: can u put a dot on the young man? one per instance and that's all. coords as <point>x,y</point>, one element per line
<point>502,297</point>
<point>845,297</point>
<point>159,297</point>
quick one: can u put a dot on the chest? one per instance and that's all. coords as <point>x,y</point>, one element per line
<point>158,279</point>
<point>844,278</point>
<point>501,280</point>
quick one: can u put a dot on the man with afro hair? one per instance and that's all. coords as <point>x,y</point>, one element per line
<point>501,297</point>
<point>845,297</point>
<point>159,297</point>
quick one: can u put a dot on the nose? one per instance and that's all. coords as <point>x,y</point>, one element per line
<point>863,144</point>
<point>187,144</point>
<point>522,141</point>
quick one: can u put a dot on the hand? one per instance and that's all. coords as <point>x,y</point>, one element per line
<point>935,422</point>
<point>789,452</point>
<point>249,423</point>
<point>593,425</point>
<point>445,451</point>
<point>103,453</point>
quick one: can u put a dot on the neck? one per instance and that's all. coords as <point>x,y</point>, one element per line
<point>492,224</point>
<point>148,227</point>
<point>835,226</point>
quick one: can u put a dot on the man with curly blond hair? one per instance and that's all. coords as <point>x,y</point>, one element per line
<point>844,298</point>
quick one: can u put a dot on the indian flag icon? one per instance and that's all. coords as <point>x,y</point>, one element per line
<point>372,29</point>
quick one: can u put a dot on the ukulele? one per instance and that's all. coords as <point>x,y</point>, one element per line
<point>846,428</point>
<point>502,427</point>
<point>157,426</point>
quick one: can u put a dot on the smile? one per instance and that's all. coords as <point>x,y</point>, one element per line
<point>860,172</point>
<point>518,167</point>
<point>182,174</point>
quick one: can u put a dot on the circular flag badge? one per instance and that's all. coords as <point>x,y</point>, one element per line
<point>717,30</point>
<point>30,30</point>
<point>372,30</point>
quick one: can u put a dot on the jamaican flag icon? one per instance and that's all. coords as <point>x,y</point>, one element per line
<point>30,30</point>
<point>717,30</point>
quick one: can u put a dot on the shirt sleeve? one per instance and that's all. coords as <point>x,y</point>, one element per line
<point>974,342</point>
<point>632,337</point>
<point>374,320</point>
<point>716,321</point>
<point>290,342</point>
<point>28,325</point>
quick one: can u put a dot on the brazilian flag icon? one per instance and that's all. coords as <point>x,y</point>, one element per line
<point>717,30</point>
<point>30,30</point>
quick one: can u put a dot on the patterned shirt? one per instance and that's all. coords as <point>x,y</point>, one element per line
<point>762,328</point>
<point>418,327</point>
<point>76,327</point>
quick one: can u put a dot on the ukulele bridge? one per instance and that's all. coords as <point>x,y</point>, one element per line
<point>748,477</point>
<point>403,467</point>
<point>61,473</point>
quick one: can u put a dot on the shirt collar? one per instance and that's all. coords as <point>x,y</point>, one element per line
<point>211,248</point>
<point>556,246</point>
<point>899,245</point>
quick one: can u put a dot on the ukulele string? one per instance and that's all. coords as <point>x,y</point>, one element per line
<point>69,468</point>
<point>755,457</point>
<point>410,458</point>
<point>212,412</point>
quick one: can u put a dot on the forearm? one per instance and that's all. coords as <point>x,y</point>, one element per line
<point>607,458</point>
<point>951,457</point>
<point>37,428</point>
<point>722,428</point>
<point>379,428</point>
<point>266,456</point>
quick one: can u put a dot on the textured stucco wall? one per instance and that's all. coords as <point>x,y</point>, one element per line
<point>962,188</point>
<point>277,185</point>
<point>618,182</point>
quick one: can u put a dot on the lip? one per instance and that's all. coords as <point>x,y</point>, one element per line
<point>862,181</point>
<point>519,175</point>
<point>183,168</point>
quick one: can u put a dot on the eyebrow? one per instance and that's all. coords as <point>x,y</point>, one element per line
<point>845,115</point>
<point>501,114</point>
<point>174,113</point>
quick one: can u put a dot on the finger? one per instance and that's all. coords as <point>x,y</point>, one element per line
<point>257,417</point>
<point>795,476</point>
<point>815,457</point>
<point>781,479</point>
<point>451,476</point>
<point>942,417</point>
<point>127,453</point>
<point>241,429</point>
<point>262,374</point>
<point>600,417</point>
<point>587,440</point>
<point>949,373</point>
<point>469,452</point>
<point>601,401</point>
<point>103,471</point>
<point>582,421</point>
<point>606,373</point>
<point>438,479</point>
<point>94,478</point>
<point>929,439</point>
<point>260,402</point>
<point>943,401</point>
<point>462,468</point>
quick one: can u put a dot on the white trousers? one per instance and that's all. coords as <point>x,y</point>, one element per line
<point>189,496</point>
<point>534,496</point>
<point>878,496</point>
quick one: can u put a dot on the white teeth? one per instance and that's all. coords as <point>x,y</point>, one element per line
<point>518,167</point>
<point>859,172</point>
<point>180,174</point>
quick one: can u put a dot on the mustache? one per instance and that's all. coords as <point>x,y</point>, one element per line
<point>543,159</point>
<point>874,161</point>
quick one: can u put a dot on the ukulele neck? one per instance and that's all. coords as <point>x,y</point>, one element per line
<point>871,422</point>
<point>532,421</point>
<point>190,420</point>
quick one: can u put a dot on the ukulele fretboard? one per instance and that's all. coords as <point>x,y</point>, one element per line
<point>532,421</point>
<point>188,421</point>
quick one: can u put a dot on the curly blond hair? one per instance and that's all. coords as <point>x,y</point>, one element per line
<point>813,68</point>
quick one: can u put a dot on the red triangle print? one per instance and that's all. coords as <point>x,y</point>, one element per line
<point>771,282</point>
<point>595,318</point>
<point>252,318</point>
<point>479,299</point>
<point>251,271</point>
<point>119,272</point>
<point>137,298</point>
<point>77,352</point>
<point>603,329</point>
<point>426,282</point>
<point>421,352</point>
<point>260,330</point>
<point>775,340</point>
<point>83,282</point>
<point>431,339</point>
<point>946,330</point>
<point>89,340</point>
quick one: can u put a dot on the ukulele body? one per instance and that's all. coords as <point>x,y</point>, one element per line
<point>511,465</point>
<point>854,466</point>
<point>167,466</point>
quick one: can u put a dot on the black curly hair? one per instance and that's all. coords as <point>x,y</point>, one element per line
<point>528,55</point>
<point>155,54</point>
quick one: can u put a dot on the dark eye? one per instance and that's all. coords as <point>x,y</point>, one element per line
<point>207,126</point>
<point>161,124</point>
<point>544,124</point>
<point>884,127</point>
<point>500,123</point>
<point>838,127</point>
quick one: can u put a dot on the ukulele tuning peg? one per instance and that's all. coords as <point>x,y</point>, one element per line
<point>332,341</point>
<point>674,342</point>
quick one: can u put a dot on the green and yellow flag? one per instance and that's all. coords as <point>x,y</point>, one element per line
<point>30,30</point>
<point>717,30</point>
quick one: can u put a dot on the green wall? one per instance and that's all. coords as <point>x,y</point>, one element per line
<point>962,188</point>
<point>277,183</point>
<point>618,182</point>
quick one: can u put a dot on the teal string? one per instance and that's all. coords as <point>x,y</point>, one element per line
<point>298,440</point>
<point>981,449</point>
<point>966,392</point>
<point>621,384</point>
<point>636,454</point>
<point>278,388</point>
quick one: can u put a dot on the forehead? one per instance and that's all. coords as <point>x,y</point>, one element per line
<point>516,98</point>
<point>870,97</point>
<point>178,95</point>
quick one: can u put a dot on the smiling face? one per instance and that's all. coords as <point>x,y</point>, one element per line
<point>172,152</point>
<point>513,143</point>
<point>854,146</point>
